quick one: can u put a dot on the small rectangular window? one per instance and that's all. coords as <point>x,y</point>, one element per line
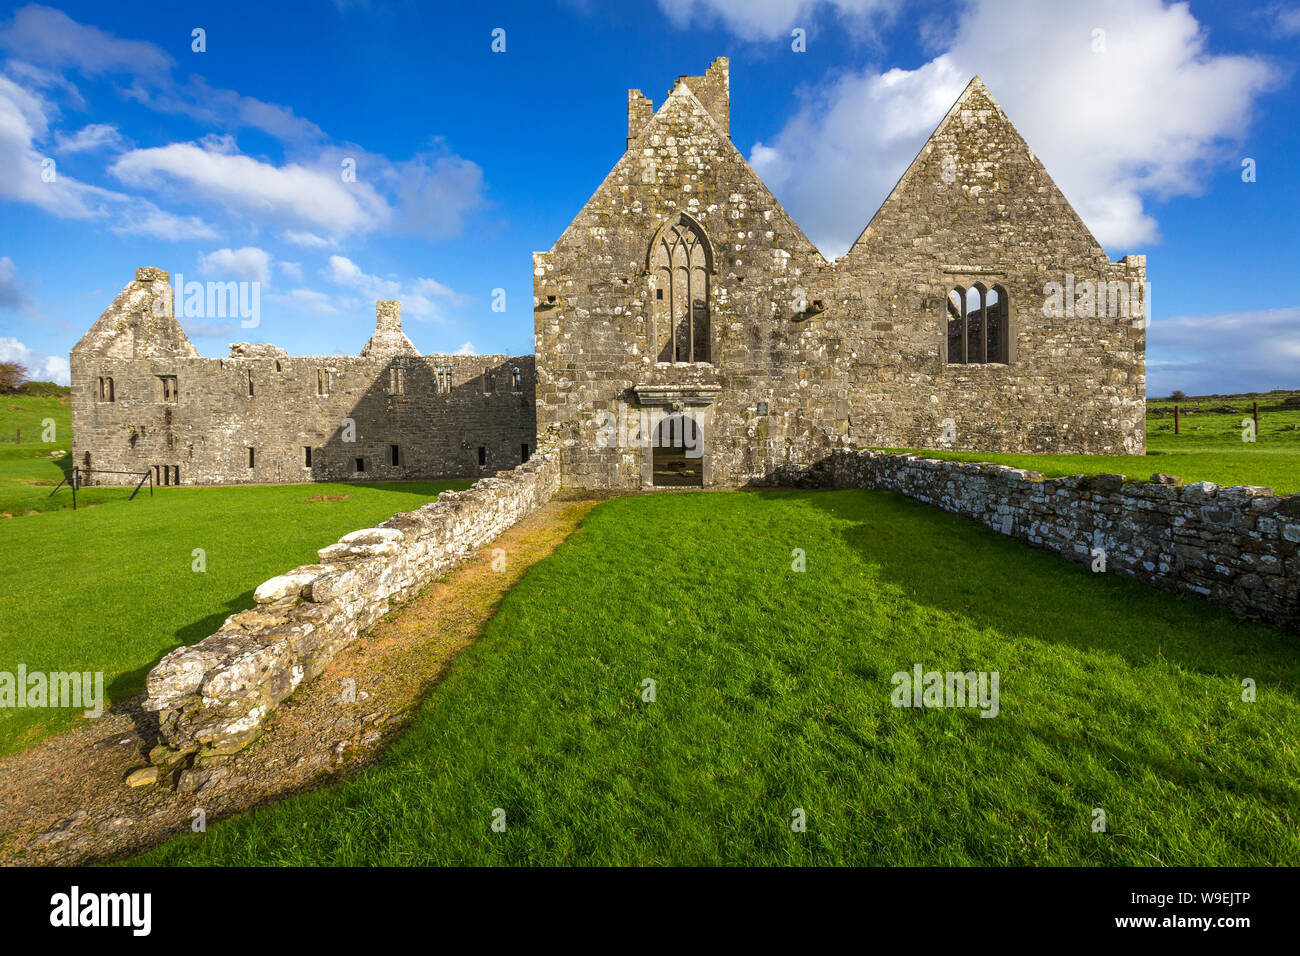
<point>489,385</point>
<point>482,456</point>
<point>250,383</point>
<point>396,381</point>
<point>443,378</point>
<point>306,456</point>
<point>322,381</point>
<point>361,464</point>
<point>659,294</point>
<point>516,380</point>
<point>394,455</point>
<point>251,455</point>
<point>106,389</point>
<point>176,474</point>
<point>169,389</point>
<point>523,452</point>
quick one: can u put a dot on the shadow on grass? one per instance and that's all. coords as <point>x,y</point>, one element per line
<point>132,682</point>
<point>958,566</point>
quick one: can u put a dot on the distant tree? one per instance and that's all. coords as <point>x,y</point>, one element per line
<point>12,376</point>
<point>1179,395</point>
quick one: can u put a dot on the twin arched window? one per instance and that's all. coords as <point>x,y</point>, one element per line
<point>680,263</point>
<point>977,325</point>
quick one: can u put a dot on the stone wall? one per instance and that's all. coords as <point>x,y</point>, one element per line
<point>397,413</point>
<point>212,697</point>
<point>1237,546</point>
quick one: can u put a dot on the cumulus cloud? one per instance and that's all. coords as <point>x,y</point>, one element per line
<point>467,348</point>
<point>417,298</point>
<point>1225,353</point>
<point>305,196</point>
<point>215,170</point>
<point>50,37</point>
<point>40,367</point>
<point>307,299</point>
<point>308,240</point>
<point>31,176</point>
<point>92,137</point>
<point>768,19</point>
<point>249,264</point>
<point>1141,119</point>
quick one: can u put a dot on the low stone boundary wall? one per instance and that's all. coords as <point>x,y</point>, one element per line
<point>1237,546</point>
<point>211,697</point>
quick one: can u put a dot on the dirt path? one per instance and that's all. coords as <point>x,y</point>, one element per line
<point>64,801</point>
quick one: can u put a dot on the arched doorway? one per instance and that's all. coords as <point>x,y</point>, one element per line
<point>678,453</point>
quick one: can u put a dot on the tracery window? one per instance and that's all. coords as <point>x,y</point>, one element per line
<point>680,262</point>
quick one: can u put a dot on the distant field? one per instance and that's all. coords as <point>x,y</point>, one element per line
<point>112,588</point>
<point>27,473</point>
<point>1208,448</point>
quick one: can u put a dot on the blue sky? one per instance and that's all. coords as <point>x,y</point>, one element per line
<point>225,164</point>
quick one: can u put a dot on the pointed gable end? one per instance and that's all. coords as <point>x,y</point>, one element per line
<point>976,190</point>
<point>141,322</point>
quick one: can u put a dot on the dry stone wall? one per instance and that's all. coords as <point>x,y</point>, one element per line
<point>212,697</point>
<point>1237,546</point>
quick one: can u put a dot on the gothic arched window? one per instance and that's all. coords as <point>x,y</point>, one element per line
<point>978,330</point>
<point>680,262</point>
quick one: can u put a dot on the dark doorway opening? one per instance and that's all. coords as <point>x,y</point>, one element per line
<point>678,453</point>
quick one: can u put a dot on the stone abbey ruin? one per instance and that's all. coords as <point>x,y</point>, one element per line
<point>686,332</point>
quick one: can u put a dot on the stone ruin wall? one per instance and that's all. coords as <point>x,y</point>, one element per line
<point>206,433</point>
<point>870,368</point>
<point>1238,547</point>
<point>213,697</point>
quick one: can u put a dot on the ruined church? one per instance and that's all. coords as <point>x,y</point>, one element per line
<point>686,333</point>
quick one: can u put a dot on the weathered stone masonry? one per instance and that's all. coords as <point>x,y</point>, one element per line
<point>1239,546</point>
<point>251,417</point>
<point>791,356</point>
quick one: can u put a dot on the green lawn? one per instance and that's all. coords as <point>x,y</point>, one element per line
<point>773,693</point>
<point>112,588</point>
<point>1209,447</point>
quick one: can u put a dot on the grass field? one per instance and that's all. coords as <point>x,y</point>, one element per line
<point>112,588</point>
<point>27,473</point>
<point>1209,447</point>
<point>772,692</point>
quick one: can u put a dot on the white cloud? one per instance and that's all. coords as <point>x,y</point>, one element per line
<point>12,295</point>
<point>1286,19</point>
<point>308,240</point>
<point>417,299</point>
<point>33,177</point>
<point>249,264</point>
<point>1226,353</point>
<point>306,198</point>
<point>40,367</point>
<point>50,37</point>
<point>214,170</point>
<point>769,19</point>
<point>306,299</point>
<point>466,348</point>
<point>1140,121</point>
<point>292,270</point>
<point>95,136</point>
